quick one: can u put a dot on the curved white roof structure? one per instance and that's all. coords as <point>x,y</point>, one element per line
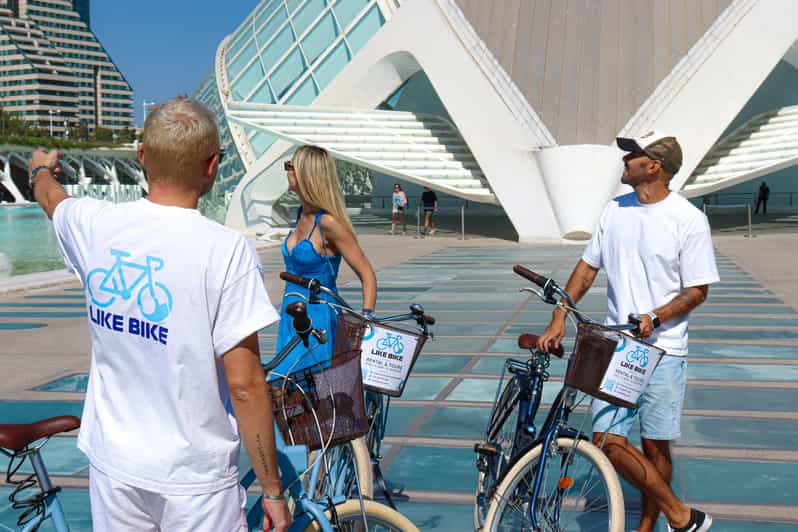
<point>763,145</point>
<point>527,98</point>
<point>423,149</point>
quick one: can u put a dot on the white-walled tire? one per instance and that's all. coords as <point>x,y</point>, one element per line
<point>592,502</point>
<point>345,460</point>
<point>379,517</point>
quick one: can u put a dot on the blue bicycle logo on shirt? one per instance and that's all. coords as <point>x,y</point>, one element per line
<point>639,355</point>
<point>154,299</point>
<point>392,342</point>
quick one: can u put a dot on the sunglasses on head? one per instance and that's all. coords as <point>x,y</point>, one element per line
<point>288,165</point>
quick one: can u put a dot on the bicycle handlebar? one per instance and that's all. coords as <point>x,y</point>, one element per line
<point>531,276</point>
<point>304,282</point>
<point>304,328</point>
<point>314,287</point>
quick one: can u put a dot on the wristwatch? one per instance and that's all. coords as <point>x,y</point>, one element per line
<point>654,319</point>
<point>35,171</point>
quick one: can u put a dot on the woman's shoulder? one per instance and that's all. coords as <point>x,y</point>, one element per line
<point>329,222</point>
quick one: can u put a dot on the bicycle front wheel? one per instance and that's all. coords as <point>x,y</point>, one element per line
<point>379,518</point>
<point>579,491</point>
<point>346,468</point>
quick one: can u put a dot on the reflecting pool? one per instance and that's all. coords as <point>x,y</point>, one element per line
<point>27,240</point>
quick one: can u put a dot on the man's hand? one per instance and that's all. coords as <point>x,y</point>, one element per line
<point>646,326</point>
<point>45,158</point>
<point>554,333</point>
<point>275,515</point>
<point>46,188</point>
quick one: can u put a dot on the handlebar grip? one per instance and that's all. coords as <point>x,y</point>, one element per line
<point>298,310</point>
<point>304,282</point>
<point>530,275</point>
<point>429,320</point>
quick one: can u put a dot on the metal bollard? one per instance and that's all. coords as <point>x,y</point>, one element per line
<point>462,222</point>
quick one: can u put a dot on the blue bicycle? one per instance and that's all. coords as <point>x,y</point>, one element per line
<point>550,479</point>
<point>361,458</point>
<point>153,298</point>
<point>327,495</point>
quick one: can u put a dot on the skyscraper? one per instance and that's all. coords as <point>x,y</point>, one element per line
<point>54,73</point>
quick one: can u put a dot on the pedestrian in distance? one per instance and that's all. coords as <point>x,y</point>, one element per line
<point>762,198</point>
<point>323,235</point>
<point>656,249</point>
<point>398,208</point>
<point>429,202</point>
<point>175,301</point>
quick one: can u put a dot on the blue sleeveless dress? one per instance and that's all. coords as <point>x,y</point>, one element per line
<point>305,261</point>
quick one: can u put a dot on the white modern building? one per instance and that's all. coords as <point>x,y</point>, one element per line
<point>513,103</point>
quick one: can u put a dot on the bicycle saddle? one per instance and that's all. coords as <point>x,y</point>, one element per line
<point>530,341</point>
<point>16,436</point>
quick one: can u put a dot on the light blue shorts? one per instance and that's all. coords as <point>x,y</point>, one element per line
<point>659,408</point>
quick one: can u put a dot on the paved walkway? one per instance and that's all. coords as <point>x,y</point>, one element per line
<point>738,455</point>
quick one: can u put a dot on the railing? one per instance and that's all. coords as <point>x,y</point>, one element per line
<point>776,199</point>
<point>385,202</point>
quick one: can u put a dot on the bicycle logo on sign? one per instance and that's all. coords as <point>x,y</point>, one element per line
<point>122,278</point>
<point>639,355</point>
<point>392,342</point>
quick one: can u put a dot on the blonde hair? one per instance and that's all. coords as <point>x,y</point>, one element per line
<point>317,180</point>
<point>178,136</point>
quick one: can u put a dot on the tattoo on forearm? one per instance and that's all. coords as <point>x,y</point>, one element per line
<point>262,453</point>
<point>687,300</point>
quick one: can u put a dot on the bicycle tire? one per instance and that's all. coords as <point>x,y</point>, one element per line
<point>378,516</point>
<point>609,517</point>
<point>357,453</point>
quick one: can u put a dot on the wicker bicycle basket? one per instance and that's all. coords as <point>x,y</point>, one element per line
<point>324,404</point>
<point>591,362</point>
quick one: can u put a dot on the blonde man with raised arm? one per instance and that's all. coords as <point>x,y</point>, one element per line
<point>175,301</point>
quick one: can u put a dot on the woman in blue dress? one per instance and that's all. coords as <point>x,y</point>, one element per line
<point>322,237</point>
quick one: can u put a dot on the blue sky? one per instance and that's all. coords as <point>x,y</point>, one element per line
<point>165,47</point>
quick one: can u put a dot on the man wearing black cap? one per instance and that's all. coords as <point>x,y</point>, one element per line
<point>656,249</point>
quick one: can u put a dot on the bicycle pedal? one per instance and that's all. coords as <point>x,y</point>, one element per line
<point>486,449</point>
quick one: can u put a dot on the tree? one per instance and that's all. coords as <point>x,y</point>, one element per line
<point>103,134</point>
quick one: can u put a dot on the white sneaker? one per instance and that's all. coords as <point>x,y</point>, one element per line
<point>699,522</point>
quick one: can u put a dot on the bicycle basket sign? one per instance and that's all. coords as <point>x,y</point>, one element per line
<point>388,356</point>
<point>630,369</point>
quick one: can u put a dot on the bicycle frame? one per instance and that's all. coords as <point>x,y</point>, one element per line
<point>292,460</point>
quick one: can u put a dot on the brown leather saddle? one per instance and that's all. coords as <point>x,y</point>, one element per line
<point>15,436</point>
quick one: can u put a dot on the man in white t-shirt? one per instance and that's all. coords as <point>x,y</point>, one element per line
<point>175,301</point>
<point>656,249</point>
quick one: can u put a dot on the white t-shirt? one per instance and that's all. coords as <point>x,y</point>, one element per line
<point>168,293</point>
<point>651,252</point>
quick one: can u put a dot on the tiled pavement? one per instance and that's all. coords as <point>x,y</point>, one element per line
<point>738,455</point>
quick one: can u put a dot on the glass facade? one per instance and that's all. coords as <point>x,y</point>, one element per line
<point>285,52</point>
<point>231,170</point>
